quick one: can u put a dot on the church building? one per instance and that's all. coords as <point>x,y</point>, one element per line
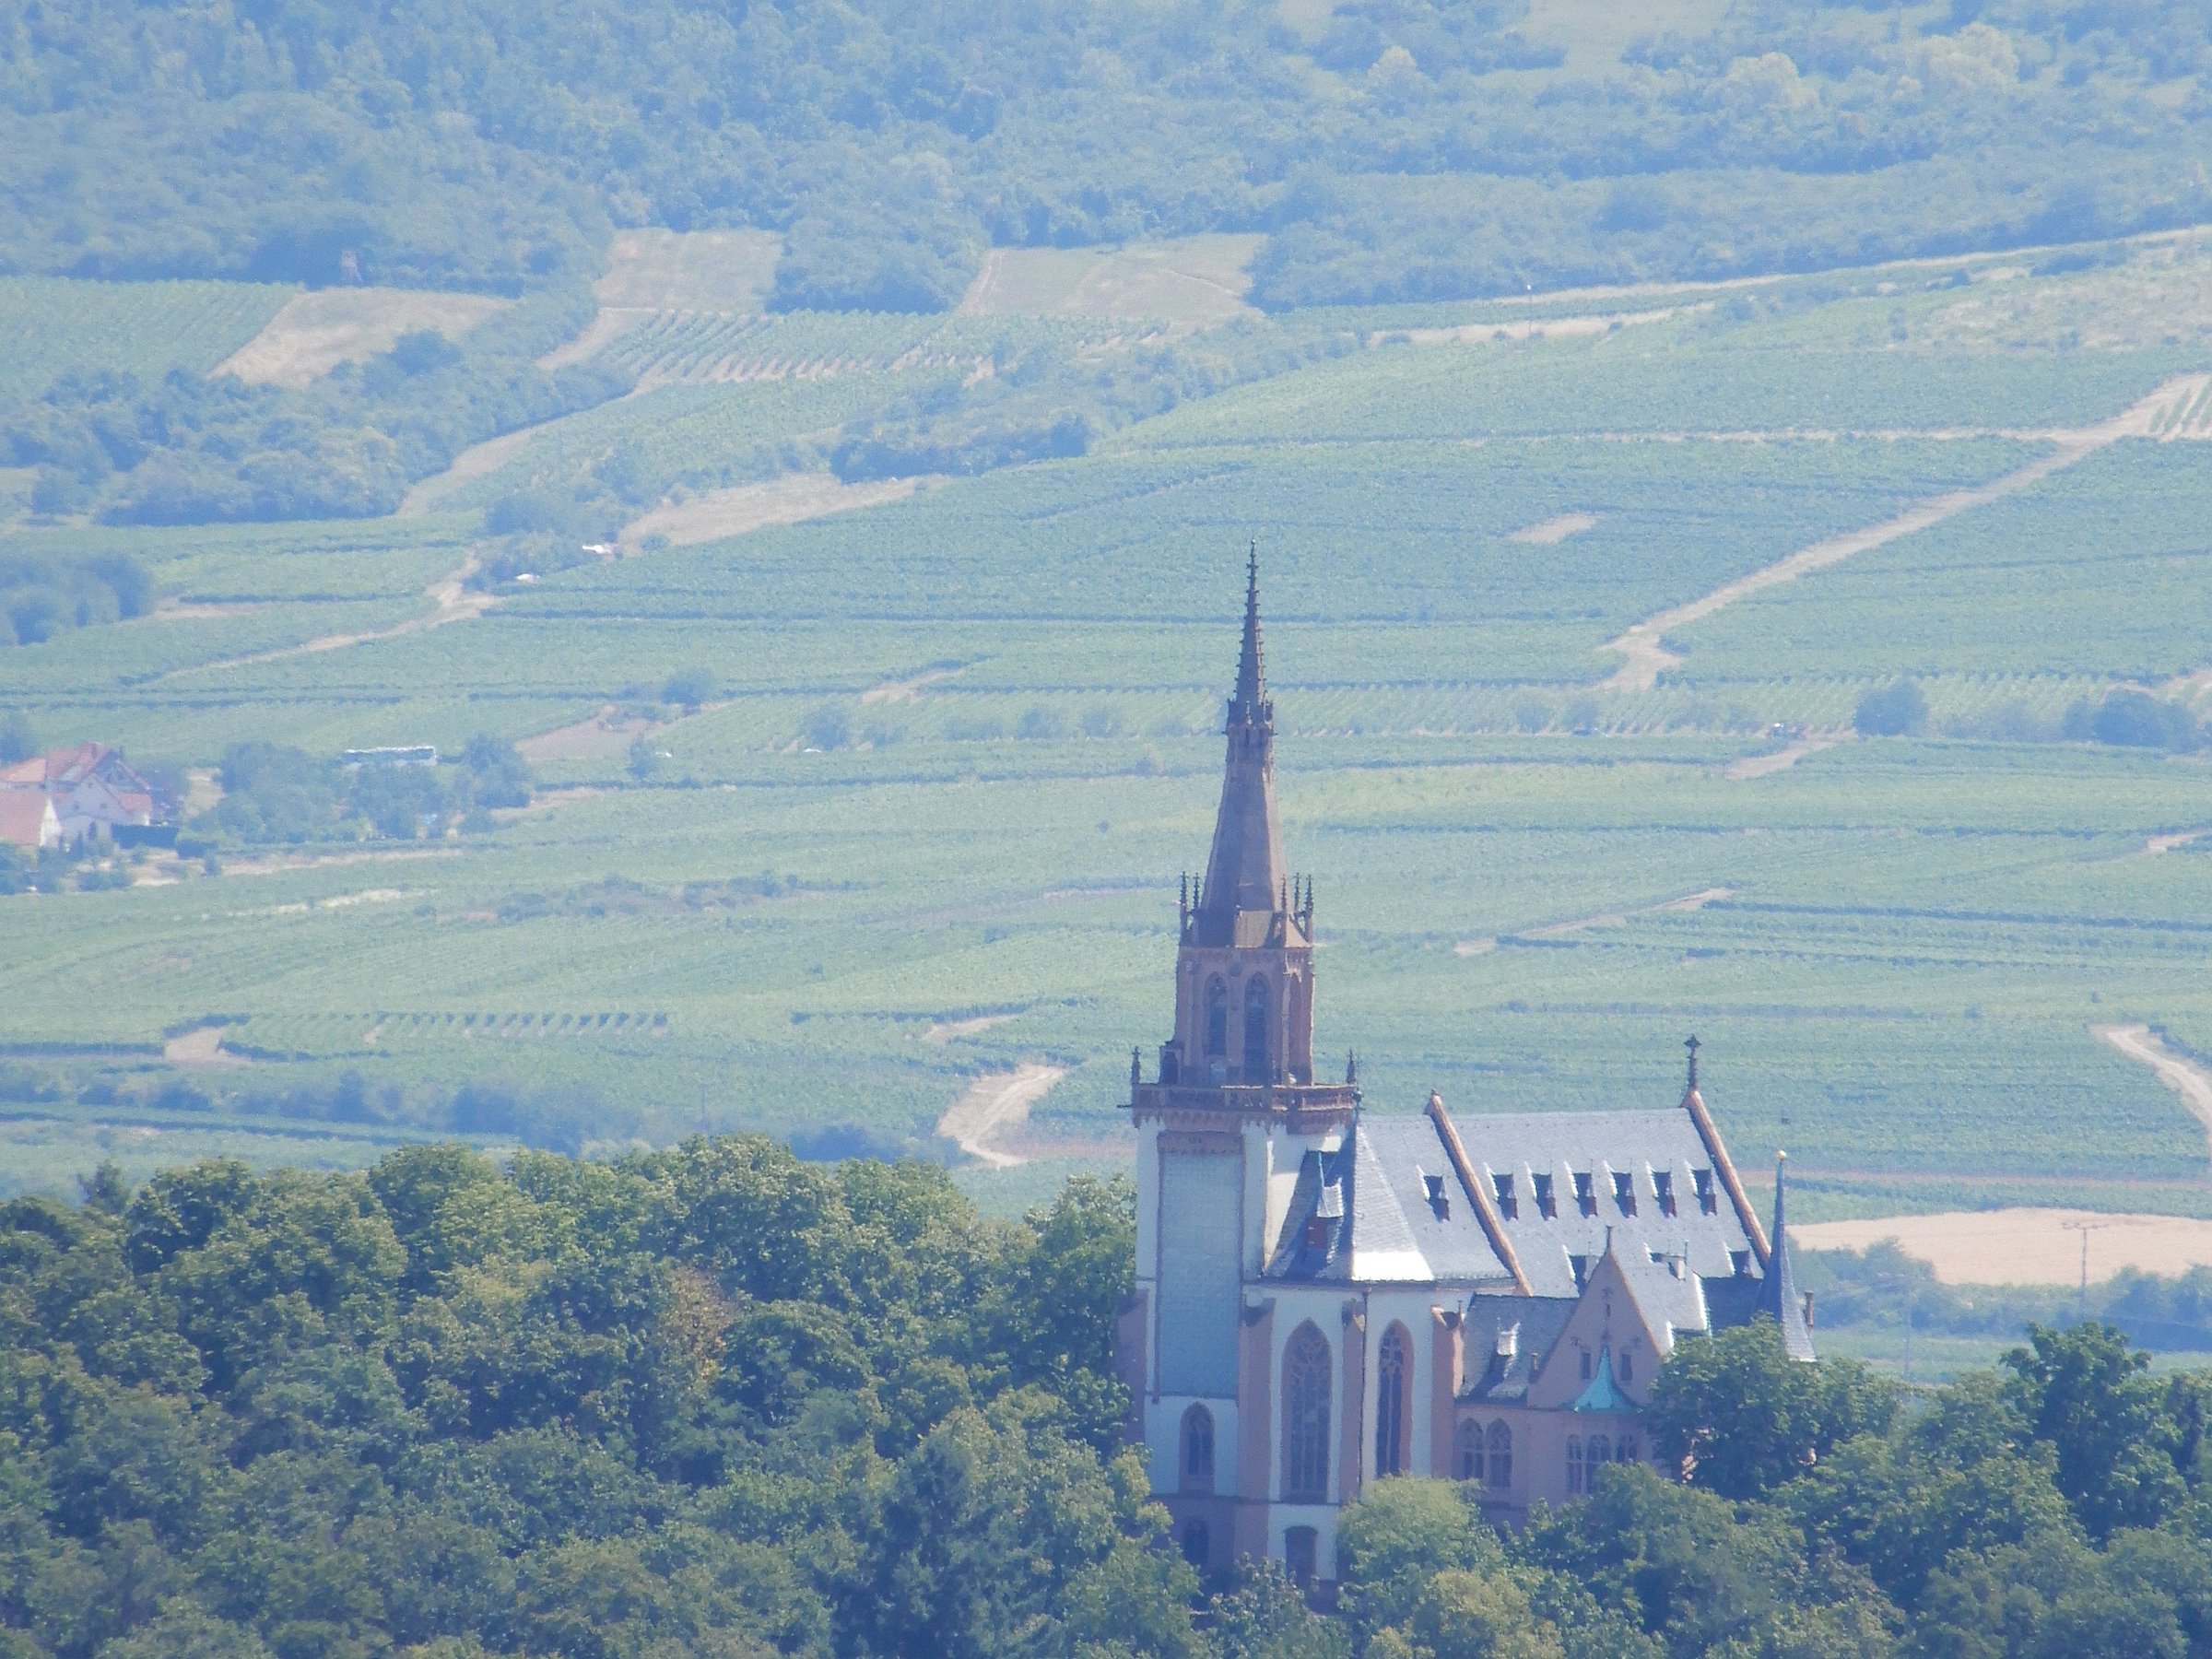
<point>1327,1296</point>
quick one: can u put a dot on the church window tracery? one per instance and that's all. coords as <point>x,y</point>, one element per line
<point>1501,1471</point>
<point>1306,1415</point>
<point>1468,1452</point>
<point>1574,1465</point>
<point>1198,1450</point>
<point>1256,1066</point>
<point>1217,1017</point>
<point>1393,1375</point>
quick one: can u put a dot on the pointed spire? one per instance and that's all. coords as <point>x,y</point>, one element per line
<point>1778,1296</point>
<point>1252,679</point>
<point>1246,873</point>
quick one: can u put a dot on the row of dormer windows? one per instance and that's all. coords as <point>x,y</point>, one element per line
<point>1588,1195</point>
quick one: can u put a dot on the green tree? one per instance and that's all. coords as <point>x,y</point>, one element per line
<point>1897,709</point>
<point>1741,1418</point>
<point>1394,1540</point>
<point>2086,1393</point>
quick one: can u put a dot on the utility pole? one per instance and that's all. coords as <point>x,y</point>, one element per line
<point>2084,1228</point>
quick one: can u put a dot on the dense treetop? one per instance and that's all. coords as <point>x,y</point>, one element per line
<point>1415,148</point>
<point>716,1401</point>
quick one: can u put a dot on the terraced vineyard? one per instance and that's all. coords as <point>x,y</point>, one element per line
<point>928,823</point>
<point>50,326</point>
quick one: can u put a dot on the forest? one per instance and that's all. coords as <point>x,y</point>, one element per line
<point>713,1400</point>
<point>1401,150</point>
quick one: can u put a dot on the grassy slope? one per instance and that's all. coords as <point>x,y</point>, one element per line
<point>1899,985</point>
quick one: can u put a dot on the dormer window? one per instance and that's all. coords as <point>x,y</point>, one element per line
<point>1624,1191</point>
<point>1585,1199</point>
<point>1509,1202</point>
<point>1741,1261</point>
<point>1580,1264</point>
<point>1440,1204</point>
<point>1708,1200</point>
<point>1547,1206</point>
<point>1662,1183</point>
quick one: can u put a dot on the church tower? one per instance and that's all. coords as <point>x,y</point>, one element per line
<point>1232,1119</point>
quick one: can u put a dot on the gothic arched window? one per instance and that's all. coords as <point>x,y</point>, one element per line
<point>1597,1453</point>
<point>1466,1452</point>
<point>1306,1415</point>
<point>1217,1017</point>
<point>1575,1466</point>
<point>1198,1450</point>
<point>1625,1451</point>
<point>1257,1069</point>
<point>1394,1370</point>
<point>1501,1471</point>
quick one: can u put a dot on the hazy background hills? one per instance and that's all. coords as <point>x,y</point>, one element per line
<point>1388,150</point>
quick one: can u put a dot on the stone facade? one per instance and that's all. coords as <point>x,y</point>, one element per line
<point>1327,1296</point>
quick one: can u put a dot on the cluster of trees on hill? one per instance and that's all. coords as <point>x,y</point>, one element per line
<point>276,794</point>
<point>717,1401</point>
<point>492,146</point>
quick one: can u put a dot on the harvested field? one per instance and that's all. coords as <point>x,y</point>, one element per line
<point>317,331</point>
<point>2026,1246</point>
<point>605,735</point>
<point>724,512</point>
<point>1195,281</point>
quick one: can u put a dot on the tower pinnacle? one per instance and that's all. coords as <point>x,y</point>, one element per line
<point>1251,678</point>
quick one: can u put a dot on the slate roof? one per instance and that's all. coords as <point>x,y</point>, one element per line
<point>1535,1323</point>
<point>1600,1146</point>
<point>1386,1230</point>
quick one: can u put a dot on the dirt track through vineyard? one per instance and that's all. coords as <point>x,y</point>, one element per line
<point>1643,648</point>
<point>993,1107</point>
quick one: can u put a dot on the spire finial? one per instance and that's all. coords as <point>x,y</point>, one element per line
<point>1250,676</point>
<point>1693,1045</point>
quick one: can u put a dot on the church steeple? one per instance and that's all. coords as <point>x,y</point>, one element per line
<point>1247,879</point>
<point>1244,936</point>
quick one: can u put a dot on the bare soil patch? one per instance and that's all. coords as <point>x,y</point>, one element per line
<point>1782,759</point>
<point>993,1108</point>
<point>2026,1246</point>
<point>719,513</point>
<point>690,270</point>
<point>605,735</point>
<point>1195,281</point>
<point>2185,1077</point>
<point>317,331</point>
<point>201,1050</point>
<point>906,690</point>
<point>1553,531</point>
<point>942,1031</point>
<point>1643,648</point>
